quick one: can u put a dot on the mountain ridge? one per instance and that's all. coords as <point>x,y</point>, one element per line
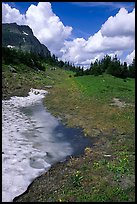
<point>22,37</point>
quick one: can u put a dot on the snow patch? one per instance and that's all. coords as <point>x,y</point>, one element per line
<point>25,33</point>
<point>28,144</point>
<point>10,46</point>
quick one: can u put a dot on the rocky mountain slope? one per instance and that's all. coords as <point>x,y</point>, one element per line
<point>21,37</point>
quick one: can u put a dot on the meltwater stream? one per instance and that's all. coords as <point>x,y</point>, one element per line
<point>33,140</point>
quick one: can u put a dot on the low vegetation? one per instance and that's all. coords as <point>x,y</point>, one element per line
<point>106,172</point>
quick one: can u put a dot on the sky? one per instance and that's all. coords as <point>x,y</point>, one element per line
<point>78,32</point>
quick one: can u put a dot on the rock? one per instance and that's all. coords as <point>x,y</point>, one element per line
<point>12,69</point>
<point>37,69</point>
<point>117,102</point>
<point>14,75</point>
<point>48,77</point>
<point>53,68</point>
<point>48,86</point>
<point>107,155</point>
<point>96,132</point>
<point>16,34</point>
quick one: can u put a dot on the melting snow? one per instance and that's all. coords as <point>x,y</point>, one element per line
<point>10,46</point>
<point>27,139</point>
<point>25,33</point>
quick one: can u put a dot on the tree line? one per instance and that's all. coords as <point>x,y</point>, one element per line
<point>33,60</point>
<point>110,66</point>
<point>106,65</point>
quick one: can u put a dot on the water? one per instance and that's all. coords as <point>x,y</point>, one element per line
<point>33,140</point>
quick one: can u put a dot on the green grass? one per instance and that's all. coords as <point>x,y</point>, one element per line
<point>81,102</point>
<point>85,102</point>
<point>106,87</point>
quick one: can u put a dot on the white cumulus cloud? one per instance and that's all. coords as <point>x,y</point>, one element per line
<point>11,15</point>
<point>130,57</point>
<point>121,24</point>
<point>115,37</point>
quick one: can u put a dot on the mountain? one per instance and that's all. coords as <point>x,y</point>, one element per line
<point>21,37</point>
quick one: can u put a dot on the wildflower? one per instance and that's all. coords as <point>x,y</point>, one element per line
<point>88,150</point>
<point>60,200</point>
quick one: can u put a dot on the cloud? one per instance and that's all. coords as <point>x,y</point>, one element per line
<point>74,50</point>
<point>130,57</point>
<point>11,15</point>
<point>117,34</point>
<point>121,24</point>
<point>115,37</point>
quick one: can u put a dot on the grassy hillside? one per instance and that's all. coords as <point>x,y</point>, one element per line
<point>20,81</point>
<point>88,101</point>
<point>104,107</point>
<point>105,87</point>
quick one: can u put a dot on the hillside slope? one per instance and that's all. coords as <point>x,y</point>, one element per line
<point>21,37</point>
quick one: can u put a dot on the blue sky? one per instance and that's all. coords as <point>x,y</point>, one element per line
<point>75,24</point>
<point>75,14</point>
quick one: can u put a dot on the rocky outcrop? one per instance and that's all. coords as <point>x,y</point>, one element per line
<point>21,37</point>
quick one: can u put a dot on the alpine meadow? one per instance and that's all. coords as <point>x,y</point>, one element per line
<point>72,86</point>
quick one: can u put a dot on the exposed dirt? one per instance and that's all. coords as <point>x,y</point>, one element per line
<point>119,103</point>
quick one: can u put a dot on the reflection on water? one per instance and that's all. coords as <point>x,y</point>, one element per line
<point>52,137</point>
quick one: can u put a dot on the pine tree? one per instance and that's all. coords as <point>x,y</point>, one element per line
<point>132,69</point>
